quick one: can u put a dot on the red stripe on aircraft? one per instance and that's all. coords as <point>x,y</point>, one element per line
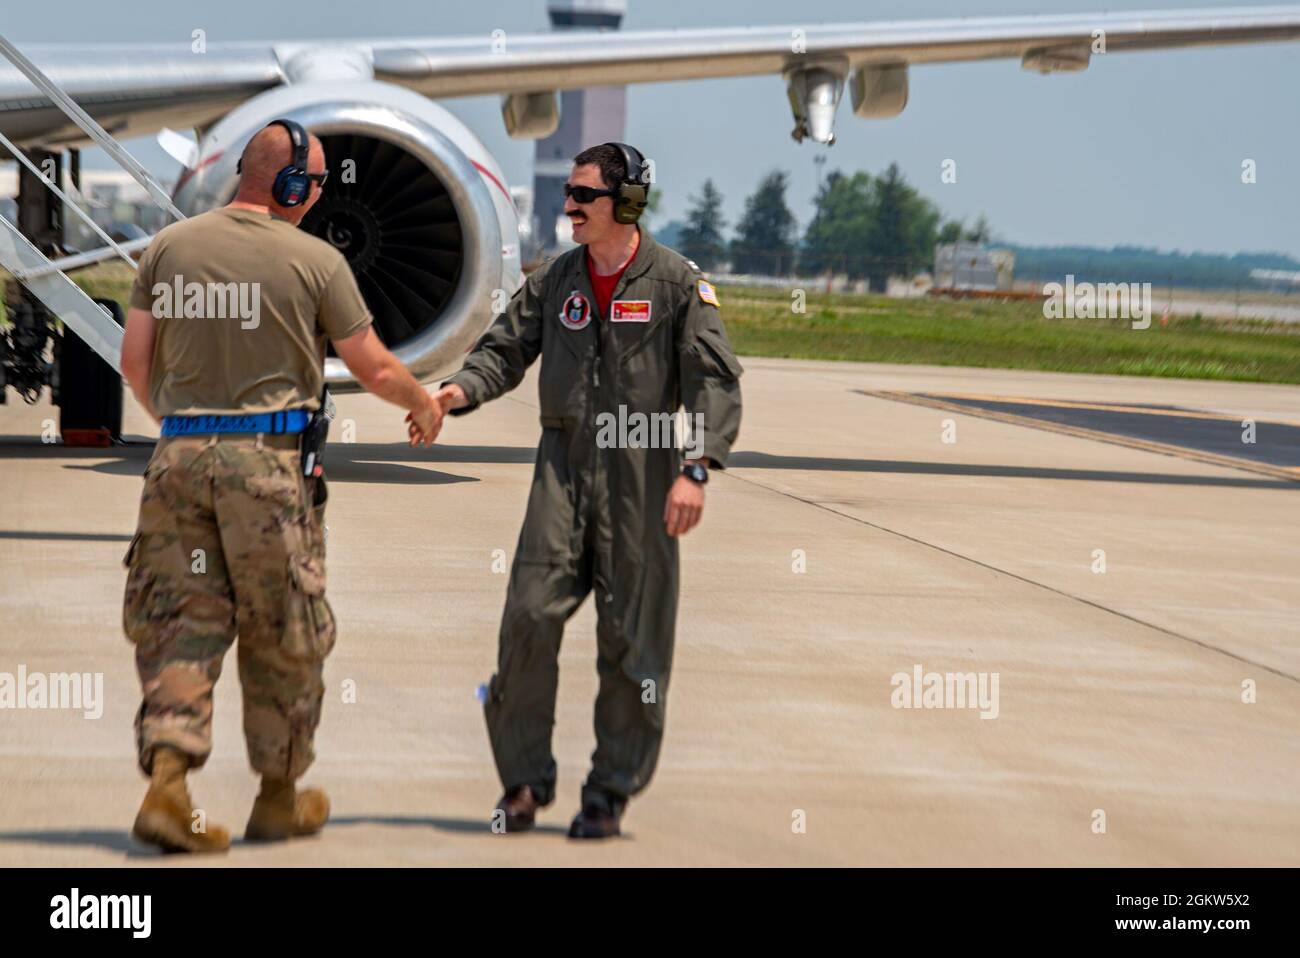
<point>189,172</point>
<point>488,173</point>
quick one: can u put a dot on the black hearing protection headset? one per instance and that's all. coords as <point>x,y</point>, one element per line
<point>633,192</point>
<point>292,183</point>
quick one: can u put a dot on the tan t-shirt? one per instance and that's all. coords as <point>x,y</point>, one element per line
<point>243,304</point>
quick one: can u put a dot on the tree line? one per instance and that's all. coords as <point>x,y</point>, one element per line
<point>1136,264</point>
<point>865,227</point>
<point>873,227</point>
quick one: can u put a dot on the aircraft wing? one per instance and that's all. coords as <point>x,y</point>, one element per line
<point>136,89</point>
<point>132,89</point>
<point>533,62</point>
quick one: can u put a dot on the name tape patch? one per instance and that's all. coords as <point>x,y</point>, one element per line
<point>629,311</point>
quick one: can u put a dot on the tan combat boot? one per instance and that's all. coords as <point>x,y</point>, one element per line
<point>281,812</point>
<point>166,818</point>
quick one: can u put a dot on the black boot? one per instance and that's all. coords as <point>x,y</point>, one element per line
<point>519,806</point>
<point>595,821</point>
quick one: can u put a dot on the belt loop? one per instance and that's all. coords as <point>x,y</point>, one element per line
<point>212,441</point>
<point>259,441</point>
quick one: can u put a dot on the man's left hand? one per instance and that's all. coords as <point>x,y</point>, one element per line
<point>684,507</point>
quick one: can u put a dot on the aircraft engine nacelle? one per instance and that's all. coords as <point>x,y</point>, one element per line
<point>414,201</point>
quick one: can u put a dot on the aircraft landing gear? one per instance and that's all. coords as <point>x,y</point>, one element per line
<point>87,390</point>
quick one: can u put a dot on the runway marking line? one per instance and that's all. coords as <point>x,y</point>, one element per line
<point>1289,473</point>
<point>1114,407</point>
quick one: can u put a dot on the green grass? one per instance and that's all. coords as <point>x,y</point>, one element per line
<point>107,281</point>
<point>1007,335</point>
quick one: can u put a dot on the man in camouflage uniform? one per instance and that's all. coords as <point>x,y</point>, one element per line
<point>625,328</point>
<point>231,536</point>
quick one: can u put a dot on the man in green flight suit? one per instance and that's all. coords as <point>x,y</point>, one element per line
<point>629,332</point>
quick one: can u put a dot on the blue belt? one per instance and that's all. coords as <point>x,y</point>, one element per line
<point>272,423</point>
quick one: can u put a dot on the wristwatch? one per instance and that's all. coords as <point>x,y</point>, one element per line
<point>696,472</point>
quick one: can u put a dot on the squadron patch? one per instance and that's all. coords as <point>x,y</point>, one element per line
<point>576,311</point>
<point>629,311</point>
<point>707,293</point>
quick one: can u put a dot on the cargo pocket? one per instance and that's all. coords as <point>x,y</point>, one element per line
<point>138,600</point>
<point>309,628</point>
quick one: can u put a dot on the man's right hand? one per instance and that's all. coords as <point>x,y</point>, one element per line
<point>425,423</point>
<point>380,372</point>
<point>451,397</point>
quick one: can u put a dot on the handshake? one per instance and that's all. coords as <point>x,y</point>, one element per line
<point>424,423</point>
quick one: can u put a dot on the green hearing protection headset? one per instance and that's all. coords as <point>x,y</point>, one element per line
<point>634,191</point>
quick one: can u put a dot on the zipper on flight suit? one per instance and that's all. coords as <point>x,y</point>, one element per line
<point>595,408</point>
<point>595,366</point>
<point>597,470</point>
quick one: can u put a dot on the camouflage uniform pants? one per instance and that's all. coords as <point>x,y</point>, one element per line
<point>229,544</point>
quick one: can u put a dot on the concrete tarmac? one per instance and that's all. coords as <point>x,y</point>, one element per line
<point>1147,714</point>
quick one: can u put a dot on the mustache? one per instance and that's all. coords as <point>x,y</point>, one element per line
<point>575,214</point>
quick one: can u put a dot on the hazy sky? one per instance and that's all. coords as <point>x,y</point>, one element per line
<point>1140,149</point>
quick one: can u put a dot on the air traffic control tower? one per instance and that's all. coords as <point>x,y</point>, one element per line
<point>587,117</point>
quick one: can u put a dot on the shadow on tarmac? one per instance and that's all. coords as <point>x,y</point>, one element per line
<point>372,462</point>
<point>762,460</point>
<point>383,463</point>
<point>122,842</point>
<point>463,826</point>
<point>40,535</point>
<point>113,841</point>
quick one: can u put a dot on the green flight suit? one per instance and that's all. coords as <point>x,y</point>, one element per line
<point>595,512</point>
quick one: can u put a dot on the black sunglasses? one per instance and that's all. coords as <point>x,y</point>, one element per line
<point>586,194</point>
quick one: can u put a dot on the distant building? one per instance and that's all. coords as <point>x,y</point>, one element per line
<point>115,201</point>
<point>973,266</point>
<point>587,117</point>
<point>1277,279</point>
